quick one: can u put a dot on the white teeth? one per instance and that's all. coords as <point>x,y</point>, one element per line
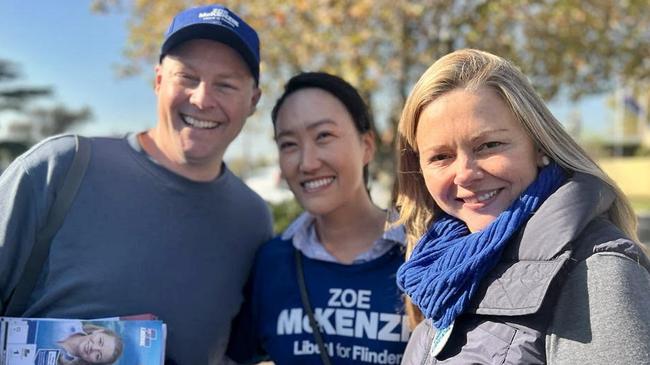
<point>198,123</point>
<point>315,184</point>
<point>481,198</point>
<point>487,196</point>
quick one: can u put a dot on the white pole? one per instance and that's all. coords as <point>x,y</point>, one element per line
<point>619,116</point>
<point>644,129</point>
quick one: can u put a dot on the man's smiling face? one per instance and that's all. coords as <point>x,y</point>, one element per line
<point>205,93</point>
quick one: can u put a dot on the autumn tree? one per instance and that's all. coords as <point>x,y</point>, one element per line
<point>576,47</point>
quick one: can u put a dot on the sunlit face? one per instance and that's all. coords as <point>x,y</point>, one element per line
<point>97,347</point>
<point>475,157</point>
<point>321,153</point>
<point>205,93</point>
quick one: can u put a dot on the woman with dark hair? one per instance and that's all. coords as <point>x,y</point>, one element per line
<point>333,269</point>
<point>523,251</point>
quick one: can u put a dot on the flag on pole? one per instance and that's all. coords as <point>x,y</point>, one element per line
<point>632,104</point>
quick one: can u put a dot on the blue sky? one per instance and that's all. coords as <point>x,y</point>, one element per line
<point>66,46</point>
<point>74,51</point>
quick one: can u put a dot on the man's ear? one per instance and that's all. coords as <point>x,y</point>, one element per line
<point>255,98</point>
<point>158,78</point>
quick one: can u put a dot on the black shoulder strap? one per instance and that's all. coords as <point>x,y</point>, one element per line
<point>307,306</point>
<point>62,202</point>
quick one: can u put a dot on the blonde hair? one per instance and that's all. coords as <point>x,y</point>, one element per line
<point>472,69</point>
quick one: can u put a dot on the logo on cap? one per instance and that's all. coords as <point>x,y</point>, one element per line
<point>219,15</point>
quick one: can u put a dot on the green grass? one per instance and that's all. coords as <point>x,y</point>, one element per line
<point>284,213</point>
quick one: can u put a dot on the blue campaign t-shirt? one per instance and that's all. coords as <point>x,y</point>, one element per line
<point>358,307</point>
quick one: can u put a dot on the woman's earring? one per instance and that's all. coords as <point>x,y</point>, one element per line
<point>545,160</point>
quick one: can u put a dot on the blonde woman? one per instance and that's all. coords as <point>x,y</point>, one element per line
<point>90,345</point>
<point>523,250</point>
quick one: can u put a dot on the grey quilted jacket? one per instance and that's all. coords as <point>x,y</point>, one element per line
<point>570,289</point>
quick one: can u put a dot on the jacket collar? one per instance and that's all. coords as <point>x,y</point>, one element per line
<point>561,218</point>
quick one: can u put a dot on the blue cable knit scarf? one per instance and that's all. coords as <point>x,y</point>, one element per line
<point>448,262</point>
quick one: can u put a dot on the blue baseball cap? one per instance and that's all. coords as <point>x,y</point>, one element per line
<point>218,23</point>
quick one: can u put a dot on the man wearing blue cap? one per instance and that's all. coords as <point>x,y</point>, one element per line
<point>159,224</point>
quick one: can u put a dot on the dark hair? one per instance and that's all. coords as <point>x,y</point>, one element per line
<point>340,89</point>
